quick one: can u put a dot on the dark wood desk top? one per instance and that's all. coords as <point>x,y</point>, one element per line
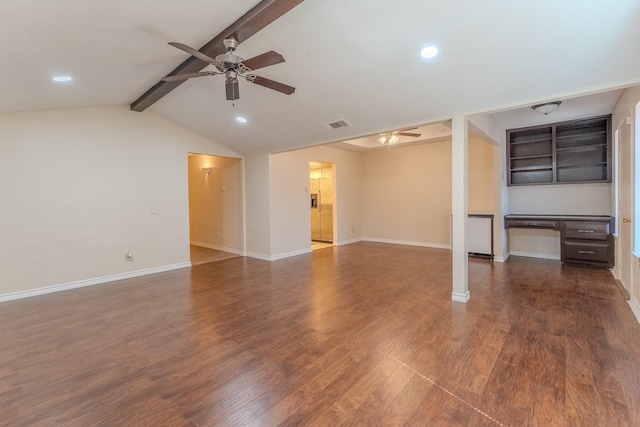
<point>560,217</point>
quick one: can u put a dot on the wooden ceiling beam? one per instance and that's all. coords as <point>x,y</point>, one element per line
<point>261,15</point>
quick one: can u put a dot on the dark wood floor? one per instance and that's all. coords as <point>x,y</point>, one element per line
<point>364,334</point>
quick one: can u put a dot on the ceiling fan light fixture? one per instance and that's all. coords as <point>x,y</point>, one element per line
<point>546,108</point>
<point>389,138</point>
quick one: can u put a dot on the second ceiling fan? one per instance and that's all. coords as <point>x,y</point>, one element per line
<point>390,138</point>
<point>234,66</point>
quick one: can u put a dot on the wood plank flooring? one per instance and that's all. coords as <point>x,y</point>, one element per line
<point>201,255</point>
<point>359,335</point>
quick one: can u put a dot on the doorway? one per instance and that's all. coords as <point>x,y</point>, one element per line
<point>322,203</point>
<point>215,208</point>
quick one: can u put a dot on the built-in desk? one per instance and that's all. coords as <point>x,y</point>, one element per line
<point>585,240</point>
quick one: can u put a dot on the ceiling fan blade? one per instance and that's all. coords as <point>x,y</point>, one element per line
<point>272,84</point>
<point>264,60</point>
<point>195,53</point>
<point>179,77</point>
<point>415,135</point>
<point>407,129</point>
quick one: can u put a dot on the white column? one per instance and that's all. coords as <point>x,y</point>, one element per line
<point>459,188</point>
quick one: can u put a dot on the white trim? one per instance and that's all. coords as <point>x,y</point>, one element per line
<point>460,297</point>
<point>501,259</point>
<point>90,282</point>
<point>407,242</point>
<point>218,248</point>
<point>290,254</point>
<point>535,255</point>
<point>257,256</point>
<point>279,256</point>
<point>635,307</point>
<point>615,271</point>
<point>348,242</point>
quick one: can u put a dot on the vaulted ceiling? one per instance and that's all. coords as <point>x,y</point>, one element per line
<point>355,60</point>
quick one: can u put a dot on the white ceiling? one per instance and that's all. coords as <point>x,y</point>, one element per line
<point>355,60</point>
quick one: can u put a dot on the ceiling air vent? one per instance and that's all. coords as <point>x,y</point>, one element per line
<point>336,125</point>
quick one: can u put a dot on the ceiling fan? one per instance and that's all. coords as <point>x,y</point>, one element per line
<point>234,66</point>
<point>390,138</point>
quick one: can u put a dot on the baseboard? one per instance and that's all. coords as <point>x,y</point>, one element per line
<point>535,255</point>
<point>290,254</point>
<point>257,256</point>
<point>348,242</point>
<point>218,248</point>
<point>278,256</point>
<point>90,282</point>
<point>460,297</point>
<point>635,307</point>
<point>407,243</point>
<point>615,271</point>
<point>501,259</point>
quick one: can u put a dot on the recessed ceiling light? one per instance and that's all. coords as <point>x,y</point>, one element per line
<point>429,51</point>
<point>241,119</point>
<point>62,79</point>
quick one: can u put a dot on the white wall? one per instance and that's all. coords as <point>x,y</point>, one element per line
<point>406,191</point>
<point>290,222</point>
<point>481,176</point>
<point>78,188</point>
<point>215,202</point>
<point>406,194</point>
<point>257,206</point>
<point>561,199</point>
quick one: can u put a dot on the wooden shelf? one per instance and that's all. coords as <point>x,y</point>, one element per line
<point>582,148</point>
<point>603,132</point>
<point>531,168</point>
<point>531,157</point>
<point>533,140</point>
<point>575,151</point>
<point>580,165</point>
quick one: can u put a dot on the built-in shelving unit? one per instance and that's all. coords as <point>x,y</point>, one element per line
<point>560,153</point>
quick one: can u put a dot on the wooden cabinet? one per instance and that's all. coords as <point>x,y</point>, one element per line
<point>588,242</point>
<point>584,240</point>
<point>560,153</point>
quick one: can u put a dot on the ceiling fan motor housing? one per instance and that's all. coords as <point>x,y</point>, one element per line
<point>230,44</point>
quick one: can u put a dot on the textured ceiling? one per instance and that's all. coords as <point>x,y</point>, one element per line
<point>356,60</point>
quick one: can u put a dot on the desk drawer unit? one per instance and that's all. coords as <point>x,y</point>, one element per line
<point>586,230</point>
<point>532,223</point>
<point>586,251</point>
<point>585,240</point>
